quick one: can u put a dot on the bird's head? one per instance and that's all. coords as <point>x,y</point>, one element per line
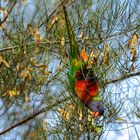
<point>96,105</point>
<point>100,109</point>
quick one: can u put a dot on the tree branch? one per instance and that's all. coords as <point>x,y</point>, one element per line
<point>57,9</point>
<point>8,49</point>
<point>59,102</point>
<point>127,75</point>
<point>1,22</point>
<point>45,109</point>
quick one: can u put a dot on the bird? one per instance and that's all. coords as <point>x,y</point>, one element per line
<point>83,82</point>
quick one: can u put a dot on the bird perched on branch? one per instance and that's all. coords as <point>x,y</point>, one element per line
<point>82,79</point>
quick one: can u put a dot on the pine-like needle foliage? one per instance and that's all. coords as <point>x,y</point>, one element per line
<point>34,62</point>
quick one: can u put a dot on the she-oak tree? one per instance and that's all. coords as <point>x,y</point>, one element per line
<point>36,94</point>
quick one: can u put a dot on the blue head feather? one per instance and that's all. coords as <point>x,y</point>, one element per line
<point>96,106</point>
<point>101,110</point>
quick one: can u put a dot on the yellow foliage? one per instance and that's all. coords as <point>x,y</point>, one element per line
<point>24,2</point>
<point>26,74</point>
<point>81,35</point>
<point>35,33</point>
<point>33,62</point>
<point>80,127</point>
<point>132,43</point>
<point>93,59</point>
<point>66,112</point>
<point>2,61</point>
<point>26,98</point>
<point>62,21</point>
<point>86,37</point>
<point>52,22</point>
<point>129,42</point>
<point>89,116</point>
<point>17,67</point>
<point>54,19</point>
<point>47,73</point>
<point>121,119</point>
<point>59,68</point>
<point>62,41</point>
<point>2,26</point>
<point>1,9</point>
<point>80,114</point>
<point>75,62</point>
<point>33,30</point>
<point>38,38</point>
<point>134,40</point>
<point>105,55</point>
<point>11,93</point>
<point>41,80</point>
<point>5,15</point>
<point>29,68</point>
<point>42,69</point>
<point>133,53</point>
<point>32,134</point>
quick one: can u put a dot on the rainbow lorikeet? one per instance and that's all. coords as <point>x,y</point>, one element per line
<point>82,80</point>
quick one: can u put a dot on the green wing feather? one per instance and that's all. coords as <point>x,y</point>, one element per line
<point>74,56</point>
<point>74,50</point>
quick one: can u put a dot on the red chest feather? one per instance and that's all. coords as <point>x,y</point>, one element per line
<point>85,90</point>
<point>92,88</point>
<point>80,88</point>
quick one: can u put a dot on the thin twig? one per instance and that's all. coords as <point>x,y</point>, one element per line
<point>45,109</point>
<point>1,22</point>
<point>8,49</point>
<point>59,102</point>
<point>57,9</point>
<point>127,75</point>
